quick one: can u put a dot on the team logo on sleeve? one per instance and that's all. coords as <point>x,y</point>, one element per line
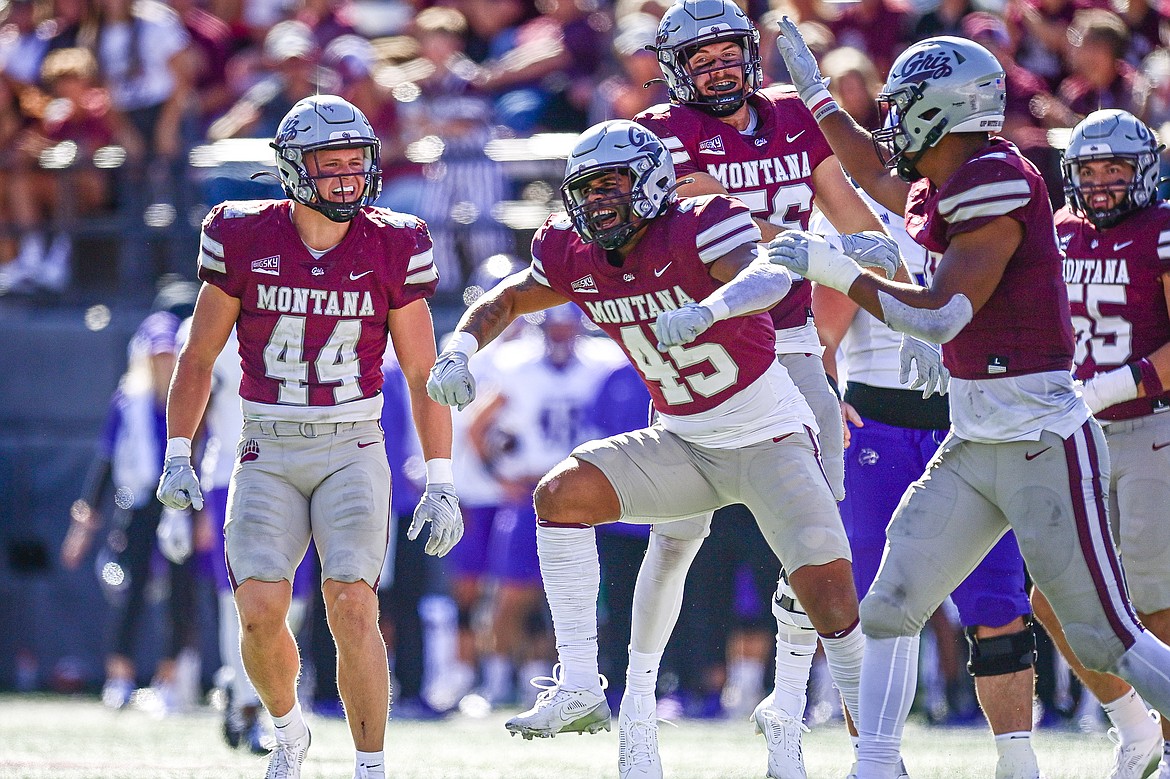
<point>585,285</point>
<point>268,265</point>
<point>712,145</point>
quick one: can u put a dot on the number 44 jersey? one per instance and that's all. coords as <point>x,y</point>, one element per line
<point>725,389</point>
<point>313,330</point>
<point>1114,278</point>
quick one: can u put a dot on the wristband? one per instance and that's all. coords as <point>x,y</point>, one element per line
<point>1147,377</point>
<point>463,342</point>
<point>821,104</point>
<point>178,447</point>
<point>718,308</point>
<point>439,471</point>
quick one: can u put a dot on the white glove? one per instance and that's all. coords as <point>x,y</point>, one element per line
<point>439,506</point>
<point>680,326</point>
<point>932,375</point>
<point>813,257</point>
<point>451,382</point>
<point>178,487</point>
<point>174,535</point>
<point>804,71</point>
<point>873,249</point>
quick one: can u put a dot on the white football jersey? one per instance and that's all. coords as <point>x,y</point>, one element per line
<point>224,418</point>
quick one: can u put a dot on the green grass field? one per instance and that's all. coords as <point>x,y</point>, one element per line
<point>43,737</point>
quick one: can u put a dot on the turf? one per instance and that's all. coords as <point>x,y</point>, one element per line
<point>43,737</point>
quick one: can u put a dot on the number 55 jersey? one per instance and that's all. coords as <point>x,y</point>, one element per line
<point>724,390</point>
<point>313,326</point>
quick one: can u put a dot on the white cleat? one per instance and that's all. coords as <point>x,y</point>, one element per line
<point>284,762</point>
<point>783,733</point>
<point>1138,759</point>
<point>561,711</point>
<point>1163,771</point>
<point>638,748</point>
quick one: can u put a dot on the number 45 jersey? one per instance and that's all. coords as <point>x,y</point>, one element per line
<point>313,330</point>
<point>1114,279</point>
<point>725,389</point>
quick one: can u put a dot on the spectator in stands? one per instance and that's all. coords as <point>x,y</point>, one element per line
<point>875,27</point>
<point>451,125</point>
<point>53,177</point>
<point>854,83</point>
<point>943,20</point>
<point>491,27</point>
<point>328,19</point>
<point>629,91</point>
<point>1101,77</point>
<point>212,42</point>
<point>1156,72</point>
<point>129,456</point>
<point>21,47</point>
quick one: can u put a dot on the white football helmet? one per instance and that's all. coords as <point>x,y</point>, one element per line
<point>688,25</point>
<point>1104,135</point>
<point>626,147</point>
<point>937,86</point>
<point>325,122</point>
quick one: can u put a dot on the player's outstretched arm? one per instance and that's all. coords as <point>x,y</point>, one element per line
<point>211,326</point>
<point>851,142</point>
<point>752,285</point>
<point>1145,377</point>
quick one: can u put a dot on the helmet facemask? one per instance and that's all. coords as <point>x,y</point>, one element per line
<point>719,104</point>
<point>307,187</point>
<point>1111,135</point>
<point>609,221</point>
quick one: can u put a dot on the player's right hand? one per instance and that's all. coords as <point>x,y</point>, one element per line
<point>798,58</point>
<point>179,486</point>
<point>451,382</point>
<point>439,505</point>
<point>932,376</point>
<point>873,249</point>
<point>680,326</point>
<point>175,539</point>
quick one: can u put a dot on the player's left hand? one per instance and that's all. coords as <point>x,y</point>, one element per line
<point>451,382</point>
<point>682,325</point>
<point>439,506</point>
<point>798,58</point>
<point>932,376</point>
<point>178,487</point>
<point>813,257</point>
<point>873,249</point>
<point>175,539</point>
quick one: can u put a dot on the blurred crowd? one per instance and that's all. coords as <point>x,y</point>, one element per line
<point>103,101</point>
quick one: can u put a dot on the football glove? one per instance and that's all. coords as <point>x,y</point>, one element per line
<point>451,382</point>
<point>178,487</point>
<point>872,249</point>
<point>804,71</point>
<point>682,325</point>
<point>932,376</point>
<point>174,535</point>
<point>439,506</point>
<point>815,258</point>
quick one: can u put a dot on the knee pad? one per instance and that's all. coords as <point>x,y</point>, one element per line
<point>694,528</point>
<point>787,609</point>
<point>884,617</point>
<point>1001,655</point>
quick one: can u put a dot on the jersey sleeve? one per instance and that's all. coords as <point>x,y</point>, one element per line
<point>723,223</point>
<point>1164,242</point>
<point>984,190</point>
<point>549,236</point>
<point>215,267</point>
<point>672,132</point>
<point>422,276</point>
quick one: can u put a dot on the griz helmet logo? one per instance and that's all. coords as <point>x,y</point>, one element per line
<point>927,65</point>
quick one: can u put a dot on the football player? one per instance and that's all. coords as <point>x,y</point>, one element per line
<point>679,285</point>
<point>1023,451</point>
<point>1115,234</point>
<point>314,284</point>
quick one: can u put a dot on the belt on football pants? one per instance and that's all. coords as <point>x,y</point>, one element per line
<point>306,429</point>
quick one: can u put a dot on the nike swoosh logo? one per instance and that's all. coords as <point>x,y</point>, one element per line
<point>1119,246</point>
<point>362,445</point>
<point>352,277</point>
<point>1156,447</point>
<point>1030,456</point>
<point>791,138</point>
<point>660,271</point>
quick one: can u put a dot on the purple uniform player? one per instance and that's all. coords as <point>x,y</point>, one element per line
<point>314,285</point>
<point>1116,240</point>
<point>1023,451</point>
<point>731,427</point>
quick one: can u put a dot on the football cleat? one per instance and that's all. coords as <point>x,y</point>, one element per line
<point>1137,759</point>
<point>638,747</point>
<point>1163,771</point>
<point>561,711</point>
<point>783,733</point>
<point>902,772</point>
<point>285,760</point>
<point>116,693</point>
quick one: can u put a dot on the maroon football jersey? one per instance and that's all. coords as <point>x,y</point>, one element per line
<point>769,169</point>
<point>1024,327</point>
<point>313,331</point>
<point>1114,279</point>
<point>668,267</point>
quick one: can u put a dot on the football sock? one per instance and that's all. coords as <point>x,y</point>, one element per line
<point>795,650</point>
<point>291,727</point>
<point>1131,718</point>
<point>370,765</point>
<point>642,673</point>
<point>844,654</point>
<point>658,593</point>
<point>1146,665</point>
<point>572,579</point>
<point>1017,759</point>
<point>888,680</point>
